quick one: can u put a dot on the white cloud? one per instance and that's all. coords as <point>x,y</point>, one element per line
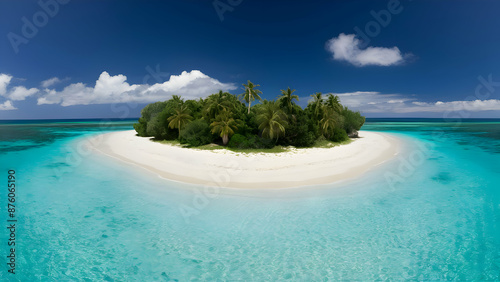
<point>468,106</point>
<point>20,93</point>
<point>346,47</point>
<point>4,82</point>
<point>17,93</point>
<point>376,102</point>
<point>6,106</point>
<point>51,81</point>
<point>369,101</point>
<point>115,89</point>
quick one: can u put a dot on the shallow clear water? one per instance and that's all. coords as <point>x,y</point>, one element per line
<point>433,213</point>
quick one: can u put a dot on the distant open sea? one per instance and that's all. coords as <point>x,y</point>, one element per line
<point>432,213</point>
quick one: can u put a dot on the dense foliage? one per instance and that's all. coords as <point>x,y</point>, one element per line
<point>224,118</point>
<point>197,133</point>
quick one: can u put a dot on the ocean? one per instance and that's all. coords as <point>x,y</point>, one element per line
<point>431,213</point>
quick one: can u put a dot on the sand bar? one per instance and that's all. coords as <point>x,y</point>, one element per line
<point>224,168</point>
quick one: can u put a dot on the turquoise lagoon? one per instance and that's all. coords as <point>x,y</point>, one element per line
<point>432,213</point>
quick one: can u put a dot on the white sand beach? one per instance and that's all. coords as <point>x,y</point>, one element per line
<point>224,168</point>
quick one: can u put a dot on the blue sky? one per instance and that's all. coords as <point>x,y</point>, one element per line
<point>93,59</point>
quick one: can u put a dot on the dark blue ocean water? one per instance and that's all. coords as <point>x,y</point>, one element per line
<point>432,213</point>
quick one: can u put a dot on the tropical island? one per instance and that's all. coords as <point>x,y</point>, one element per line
<point>246,137</point>
<point>223,118</point>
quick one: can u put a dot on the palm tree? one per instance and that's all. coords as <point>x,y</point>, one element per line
<point>316,104</point>
<point>202,102</point>
<point>251,93</point>
<point>181,117</point>
<point>216,103</point>
<point>333,102</point>
<point>234,102</point>
<point>272,120</point>
<point>177,99</point>
<point>287,97</point>
<point>328,121</point>
<point>224,125</point>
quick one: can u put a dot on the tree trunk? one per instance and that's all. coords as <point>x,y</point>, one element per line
<point>225,139</point>
<point>249,103</point>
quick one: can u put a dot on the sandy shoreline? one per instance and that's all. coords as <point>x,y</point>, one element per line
<point>224,168</point>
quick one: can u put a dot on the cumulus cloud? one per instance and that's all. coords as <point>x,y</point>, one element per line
<point>6,106</point>
<point>20,93</point>
<point>17,93</point>
<point>376,102</point>
<point>4,82</point>
<point>346,47</point>
<point>50,82</point>
<point>115,89</point>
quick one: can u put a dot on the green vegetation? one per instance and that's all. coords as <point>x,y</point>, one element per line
<point>268,126</point>
<point>251,93</point>
<point>224,125</point>
<point>272,120</point>
<point>196,133</point>
<point>180,118</point>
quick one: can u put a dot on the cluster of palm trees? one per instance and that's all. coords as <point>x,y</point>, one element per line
<point>220,109</point>
<point>226,114</point>
<point>327,112</point>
